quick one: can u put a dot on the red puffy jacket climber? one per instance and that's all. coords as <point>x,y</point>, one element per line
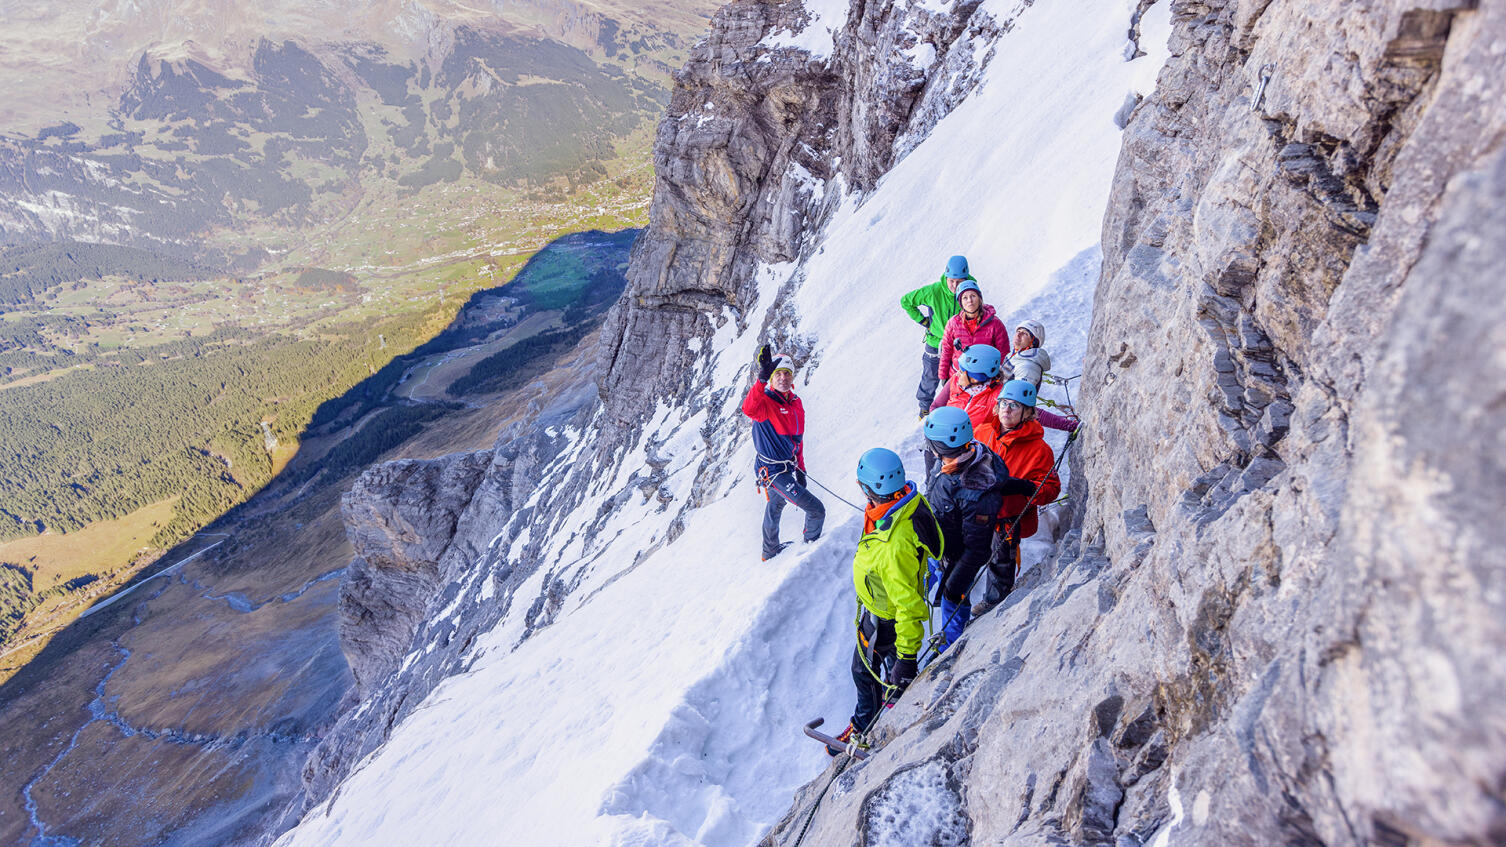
<point>1027,456</point>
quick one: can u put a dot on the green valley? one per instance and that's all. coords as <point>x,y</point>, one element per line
<point>244,253</point>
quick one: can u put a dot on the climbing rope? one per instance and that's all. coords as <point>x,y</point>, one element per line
<point>833,493</point>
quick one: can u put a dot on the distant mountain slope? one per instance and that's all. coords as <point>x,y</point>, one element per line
<point>186,139</point>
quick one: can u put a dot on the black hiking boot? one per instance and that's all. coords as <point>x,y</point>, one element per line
<point>782,545</point>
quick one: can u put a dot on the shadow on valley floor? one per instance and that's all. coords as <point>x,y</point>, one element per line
<point>183,712</point>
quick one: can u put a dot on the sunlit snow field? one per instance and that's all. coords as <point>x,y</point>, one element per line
<point>665,704</point>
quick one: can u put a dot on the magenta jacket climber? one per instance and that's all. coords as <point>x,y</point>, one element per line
<point>962,333</point>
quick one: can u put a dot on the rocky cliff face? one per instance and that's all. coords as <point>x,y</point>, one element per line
<point>753,136</point>
<point>1275,615</point>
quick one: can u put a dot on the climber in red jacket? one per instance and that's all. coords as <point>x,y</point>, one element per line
<point>1016,436</point>
<point>778,435</point>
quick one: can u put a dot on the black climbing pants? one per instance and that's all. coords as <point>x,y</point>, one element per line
<point>876,647</point>
<point>1003,566</point>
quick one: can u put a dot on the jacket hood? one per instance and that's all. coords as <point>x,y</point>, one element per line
<point>974,469</point>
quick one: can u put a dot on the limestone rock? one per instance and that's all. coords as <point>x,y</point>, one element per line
<point>400,518</point>
<point>1281,624</point>
<point>752,136</point>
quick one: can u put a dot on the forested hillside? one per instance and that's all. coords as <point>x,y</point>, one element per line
<point>179,419</point>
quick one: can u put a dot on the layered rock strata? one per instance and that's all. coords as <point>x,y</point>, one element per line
<point>753,136</point>
<point>1277,616</point>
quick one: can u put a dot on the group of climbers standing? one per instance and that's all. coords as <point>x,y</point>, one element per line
<point>987,470</point>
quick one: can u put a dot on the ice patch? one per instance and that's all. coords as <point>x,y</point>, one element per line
<point>915,806</point>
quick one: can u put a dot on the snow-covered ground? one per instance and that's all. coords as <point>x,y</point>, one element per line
<point>664,705</point>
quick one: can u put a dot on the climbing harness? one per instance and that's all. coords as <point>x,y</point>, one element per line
<point>765,479</point>
<point>864,650</point>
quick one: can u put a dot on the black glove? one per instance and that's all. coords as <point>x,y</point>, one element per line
<point>764,362</point>
<point>958,345</point>
<point>800,478</point>
<point>1014,485</point>
<point>926,321</point>
<point>903,673</point>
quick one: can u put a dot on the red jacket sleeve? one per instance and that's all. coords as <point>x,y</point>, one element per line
<point>944,396</point>
<point>756,404</point>
<point>1040,468</point>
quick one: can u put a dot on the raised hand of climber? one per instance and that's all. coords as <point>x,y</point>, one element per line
<point>764,363</point>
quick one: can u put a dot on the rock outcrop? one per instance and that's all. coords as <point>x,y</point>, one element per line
<point>1276,613</point>
<point>400,517</point>
<point>754,134</point>
<point>426,533</point>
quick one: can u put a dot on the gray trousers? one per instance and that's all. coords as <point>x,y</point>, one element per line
<point>930,364</point>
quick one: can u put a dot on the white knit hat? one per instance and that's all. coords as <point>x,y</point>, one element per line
<point>1037,329</point>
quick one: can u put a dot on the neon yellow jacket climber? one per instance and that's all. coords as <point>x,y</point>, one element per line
<point>889,570</point>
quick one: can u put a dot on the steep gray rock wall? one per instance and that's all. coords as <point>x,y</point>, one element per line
<point>752,135</point>
<point>400,518</point>
<point>1277,616</point>
<point>424,533</point>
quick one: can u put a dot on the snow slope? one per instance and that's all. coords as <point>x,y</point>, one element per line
<point>664,704</point>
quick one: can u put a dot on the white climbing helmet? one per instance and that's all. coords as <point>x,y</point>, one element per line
<point>1031,365</point>
<point>1037,329</point>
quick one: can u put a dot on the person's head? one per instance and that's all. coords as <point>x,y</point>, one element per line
<point>948,431</point>
<point>956,272</point>
<point>970,297</point>
<point>783,377</point>
<point>1029,334</point>
<point>980,363</point>
<point>881,475</point>
<point>1016,404</point>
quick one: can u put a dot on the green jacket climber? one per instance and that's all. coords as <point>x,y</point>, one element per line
<point>942,303</point>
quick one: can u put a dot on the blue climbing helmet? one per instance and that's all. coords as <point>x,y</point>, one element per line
<point>880,472</point>
<point>948,428</point>
<point>1020,392</point>
<point>968,285</point>
<point>981,362</point>
<point>956,267</point>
